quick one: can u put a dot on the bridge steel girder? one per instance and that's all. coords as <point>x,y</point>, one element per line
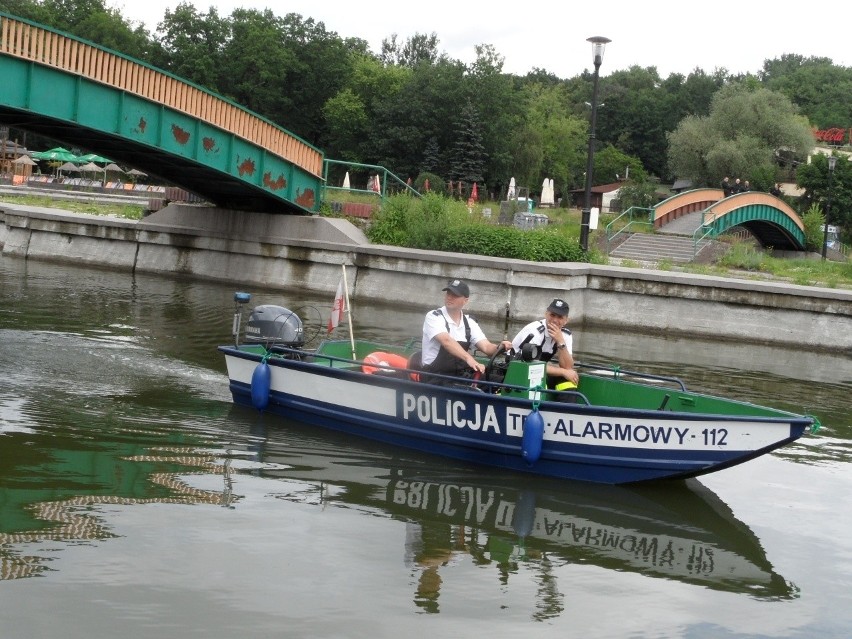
<point>212,162</point>
<point>771,226</point>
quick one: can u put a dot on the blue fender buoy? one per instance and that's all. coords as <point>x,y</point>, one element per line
<point>523,519</point>
<point>260,382</point>
<point>533,437</point>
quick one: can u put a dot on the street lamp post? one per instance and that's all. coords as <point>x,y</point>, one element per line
<point>832,162</point>
<point>598,45</point>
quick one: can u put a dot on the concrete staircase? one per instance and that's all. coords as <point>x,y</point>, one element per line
<point>644,247</point>
<point>672,242</point>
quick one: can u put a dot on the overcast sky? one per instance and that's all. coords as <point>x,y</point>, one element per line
<point>674,37</point>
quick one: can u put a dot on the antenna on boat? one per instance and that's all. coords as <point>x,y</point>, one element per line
<point>239,300</point>
<point>506,322</point>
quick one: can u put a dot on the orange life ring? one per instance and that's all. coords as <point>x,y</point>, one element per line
<point>374,360</point>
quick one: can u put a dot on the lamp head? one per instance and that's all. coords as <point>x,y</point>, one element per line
<point>598,45</point>
<point>832,162</point>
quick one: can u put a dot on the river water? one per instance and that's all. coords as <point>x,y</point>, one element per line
<point>136,501</point>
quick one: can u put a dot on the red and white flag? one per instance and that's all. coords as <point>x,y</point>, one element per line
<point>338,308</point>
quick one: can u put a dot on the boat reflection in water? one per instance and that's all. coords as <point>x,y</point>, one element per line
<point>675,530</point>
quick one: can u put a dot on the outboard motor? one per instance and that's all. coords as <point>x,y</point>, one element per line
<point>274,326</point>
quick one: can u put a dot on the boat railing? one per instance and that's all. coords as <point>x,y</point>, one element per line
<point>483,385</point>
<point>617,372</point>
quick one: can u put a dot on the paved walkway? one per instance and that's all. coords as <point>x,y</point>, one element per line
<point>684,225</point>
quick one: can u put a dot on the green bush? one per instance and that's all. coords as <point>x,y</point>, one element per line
<point>743,256</point>
<point>536,245</point>
<point>437,184</point>
<point>388,223</point>
<point>813,219</point>
<point>437,223</point>
<point>433,218</point>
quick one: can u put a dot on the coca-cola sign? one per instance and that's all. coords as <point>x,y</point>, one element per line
<point>835,135</point>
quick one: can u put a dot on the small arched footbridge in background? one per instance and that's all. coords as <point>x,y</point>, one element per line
<point>690,219</point>
<point>73,91</point>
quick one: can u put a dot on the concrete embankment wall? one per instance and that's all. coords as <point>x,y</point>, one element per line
<point>306,253</point>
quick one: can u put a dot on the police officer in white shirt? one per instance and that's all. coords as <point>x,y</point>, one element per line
<point>554,340</point>
<point>450,335</point>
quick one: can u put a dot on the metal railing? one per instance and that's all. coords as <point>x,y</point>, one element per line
<point>632,215</point>
<point>389,183</point>
<point>707,229</point>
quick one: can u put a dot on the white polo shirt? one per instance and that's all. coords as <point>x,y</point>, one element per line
<point>436,323</point>
<point>538,329</point>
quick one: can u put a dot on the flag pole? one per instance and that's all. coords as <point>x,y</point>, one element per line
<point>348,311</point>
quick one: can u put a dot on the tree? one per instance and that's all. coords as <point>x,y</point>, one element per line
<point>110,30</point>
<point>468,155</point>
<point>814,178</point>
<point>87,19</point>
<point>691,95</point>
<point>192,44</point>
<point>29,10</point>
<point>346,124</point>
<point>431,156</point>
<point>501,106</point>
<point>817,86</point>
<point>638,110</point>
<point>640,193</point>
<point>285,68</point>
<point>739,137</point>
<point>322,68</point>
<point>418,49</point>
<point>424,107</point>
<point>612,165</point>
<point>551,141</point>
<point>350,116</point>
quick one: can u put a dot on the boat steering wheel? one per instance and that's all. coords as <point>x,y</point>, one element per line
<point>489,367</point>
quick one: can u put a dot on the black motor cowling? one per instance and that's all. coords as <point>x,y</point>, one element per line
<point>277,325</point>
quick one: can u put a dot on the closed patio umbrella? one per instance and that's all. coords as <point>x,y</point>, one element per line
<point>546,193</point>
<point>24,160</point>
<point>112,167</point>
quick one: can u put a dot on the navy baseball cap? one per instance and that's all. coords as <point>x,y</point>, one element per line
<point>457,287</point>
<point>558,306</point>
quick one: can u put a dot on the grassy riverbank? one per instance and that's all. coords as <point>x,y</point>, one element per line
<point>123,211</point>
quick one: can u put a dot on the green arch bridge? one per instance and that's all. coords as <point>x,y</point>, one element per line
<point>769,219</point>
<point>68,89</point>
